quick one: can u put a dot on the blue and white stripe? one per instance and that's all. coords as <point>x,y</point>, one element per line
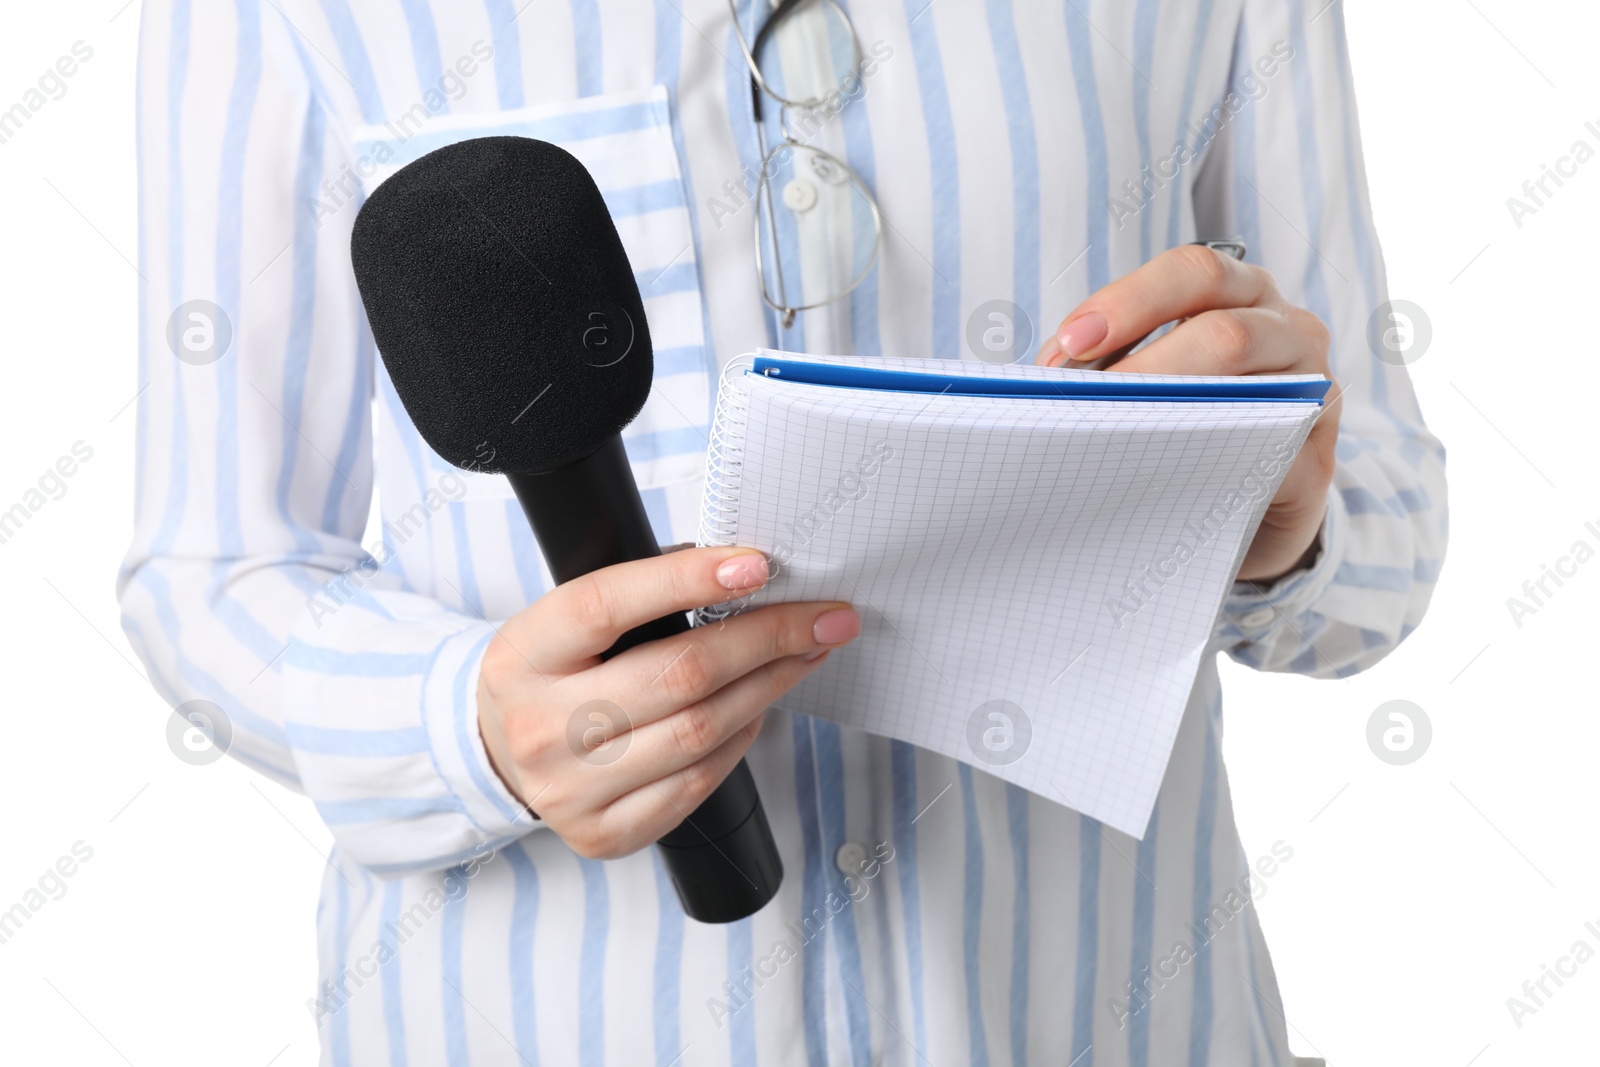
<point>454,929</point>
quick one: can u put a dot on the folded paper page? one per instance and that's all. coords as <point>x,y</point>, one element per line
<point>1038,560</point>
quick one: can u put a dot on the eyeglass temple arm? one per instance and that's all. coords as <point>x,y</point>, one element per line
<point>784,9</point>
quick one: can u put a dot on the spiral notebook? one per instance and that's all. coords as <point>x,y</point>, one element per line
<point>1039,556</point>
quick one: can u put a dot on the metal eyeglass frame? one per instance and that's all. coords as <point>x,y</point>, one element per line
<point>758,86</point>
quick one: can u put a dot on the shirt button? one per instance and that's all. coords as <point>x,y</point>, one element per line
<point>800,195</point>
<point>1258,618</point>
<point>850,858</point>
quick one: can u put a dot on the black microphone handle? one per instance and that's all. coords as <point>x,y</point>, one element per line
<point>722,858</point>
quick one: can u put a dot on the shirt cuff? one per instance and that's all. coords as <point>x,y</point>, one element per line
<point>450,717</point>
<point>1252,614</point>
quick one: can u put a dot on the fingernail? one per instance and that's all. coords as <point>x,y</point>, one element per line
<point>836,626</point>
<point>812,657</point>
<point>1082,334</point>
<point>747,571</point>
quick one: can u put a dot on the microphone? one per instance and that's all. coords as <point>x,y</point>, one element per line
<point>507,314</point>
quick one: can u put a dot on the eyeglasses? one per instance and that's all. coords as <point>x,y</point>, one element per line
<point>818,227</point>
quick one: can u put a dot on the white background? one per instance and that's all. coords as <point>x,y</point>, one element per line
<point>1419,897</point>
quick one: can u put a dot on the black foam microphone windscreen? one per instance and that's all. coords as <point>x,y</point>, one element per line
<point>507,314</point>
<point>504,305</point>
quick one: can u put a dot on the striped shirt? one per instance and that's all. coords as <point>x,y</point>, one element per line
<point>1025,150</point>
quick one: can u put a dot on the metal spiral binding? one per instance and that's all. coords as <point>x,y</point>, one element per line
<point>719,512</point>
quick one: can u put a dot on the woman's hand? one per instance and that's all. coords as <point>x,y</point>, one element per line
<point>1234,322</point>
<point>612,755</point>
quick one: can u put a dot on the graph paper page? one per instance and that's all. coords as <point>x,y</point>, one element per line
<point>1037,578</point>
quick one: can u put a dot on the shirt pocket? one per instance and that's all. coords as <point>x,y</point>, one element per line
<point>625,140</point>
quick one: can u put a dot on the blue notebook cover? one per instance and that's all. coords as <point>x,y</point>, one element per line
<point>1109,388</point>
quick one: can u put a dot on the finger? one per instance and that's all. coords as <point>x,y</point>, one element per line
<point>662,748</point>
<point>1177,284</point>
<point>657,678</point>
<point>578,620</point>
<point>645,815</point>
<point>1048,352</point>
<point>1233,341</point>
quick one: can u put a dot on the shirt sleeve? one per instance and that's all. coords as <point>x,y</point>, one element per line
<point>246,584</point>
<point>1285,171</point>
